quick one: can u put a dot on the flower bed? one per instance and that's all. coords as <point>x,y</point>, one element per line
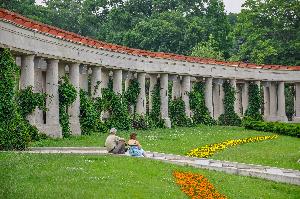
<point>196,186</point>
<point>209,150</point>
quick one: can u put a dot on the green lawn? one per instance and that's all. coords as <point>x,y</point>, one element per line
<point>112,177</point>
<point>281,152</point>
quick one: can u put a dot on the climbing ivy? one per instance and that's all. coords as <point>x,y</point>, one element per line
<point>289,92</point>
<point>254,106</point>
<point>154,115</point>
<point>229,117</point>
<point>177,113</point>
<point>132,93</point>
<point>14,133</point>
<point>67,95</point>
<point>201,114</point>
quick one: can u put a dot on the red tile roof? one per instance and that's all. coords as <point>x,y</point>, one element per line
<point>62,34</point>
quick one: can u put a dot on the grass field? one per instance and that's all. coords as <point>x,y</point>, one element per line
<point>282,152</point>
<point>111,177</point>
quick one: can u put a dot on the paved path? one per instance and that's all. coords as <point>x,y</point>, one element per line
<point>271,173</point>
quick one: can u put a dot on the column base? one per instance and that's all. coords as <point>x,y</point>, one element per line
<point>276,119</point>
<point>167,122</point>
<point>296,119</point>
<point>52,130</point>
<point>75,128</point>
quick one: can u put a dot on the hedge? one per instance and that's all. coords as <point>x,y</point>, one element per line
<point>290,129</point>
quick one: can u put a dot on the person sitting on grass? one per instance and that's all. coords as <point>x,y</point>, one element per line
<point>135,148</point>
<point>115,144</point>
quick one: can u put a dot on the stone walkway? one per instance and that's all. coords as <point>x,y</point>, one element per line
<point>270,173</point>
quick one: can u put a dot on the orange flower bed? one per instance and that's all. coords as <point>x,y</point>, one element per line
<point>196,186</point>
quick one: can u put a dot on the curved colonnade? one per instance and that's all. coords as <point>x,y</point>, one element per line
<point>46,53</point>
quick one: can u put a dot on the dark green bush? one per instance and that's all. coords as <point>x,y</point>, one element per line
<point>177,113</point>
<point>253,109</point>
<point>275,127</point>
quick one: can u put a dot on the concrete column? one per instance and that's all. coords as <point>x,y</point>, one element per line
<point>176,87</point>
<point>281,103</point>
<point>153,82</point>
<point>266,100</point>
<point>216,100</point>
<point>74,109</point>
<point>221,99</point>
<point>38,88</point>
<point>27,79</point>
<point>126,78</point>
<point>164,100</point>
<point>239,100</point>
<point>96,81</point>
<point>186,88</point>
<point>61,70</point>
<point>52,127</point>
<point>245,97</point>
<point>104,78</point>
<point>117,81</point>
<point>209,95</point>
<point>273,102</point>
<point>84,84</point>
<point>233,85</point>
<point>297,103</point>
<point>141,102</point>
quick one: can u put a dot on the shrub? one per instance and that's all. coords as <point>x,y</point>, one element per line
<point>275,127</point>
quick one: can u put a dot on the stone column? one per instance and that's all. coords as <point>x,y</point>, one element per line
<point>27,79</point>
<point>141,101</point>
<point>153,82</point>
<point>297,103</point>
<point>83,79</point>
<point>61,69</point>
<point>209,95</point>
<point>126,77</point>
<point>233,85</point>
<point>273,102</point>
<point>266,100</point>
<point>164,100</point>
<point>281,103</point>
<point>221,98</point>
<point>117,81</point>
<point>239,100</point>
<point>245,97</point>
<point>186,88</point>
<point>216,100</point>
<point>104,78</point>
<point>74,109</point>
<point>38,88</point>
<point>52,127</point>
<point>96,81</point>
<point>176,87</point>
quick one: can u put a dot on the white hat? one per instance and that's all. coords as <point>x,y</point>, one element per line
<point>113,130</point>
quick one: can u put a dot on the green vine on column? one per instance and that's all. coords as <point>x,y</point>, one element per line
<point>201,114</point>
<point>229,117</point>
<point>14,133</point>
<point>67,95</point>
<point>154,115</point>
<point>254,106</point>
<point>177,113</point>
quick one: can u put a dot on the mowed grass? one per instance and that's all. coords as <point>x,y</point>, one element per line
<point>112,177</point>
<point>282,152</point>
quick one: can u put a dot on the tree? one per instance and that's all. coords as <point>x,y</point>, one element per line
<point>268,32</point>
<point>208,49</point>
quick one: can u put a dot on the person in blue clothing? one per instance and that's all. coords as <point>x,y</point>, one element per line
<point>135,148</point>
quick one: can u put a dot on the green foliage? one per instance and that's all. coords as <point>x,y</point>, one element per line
<point>117,108</point>
<point>140,122</point>
<point>289,92</point>
<point>67,95</point>
<point>201,114</point>
<point>254,106</point>
<point>90,114</point>
<point>28,101</point>
<point>268,32</point>
<point>177,113</point>
<point>229,117</point>
<point>132,93</point>
<point>155,116</point>
<point>208,49</point>
<point>14,133</point>
<point>275,127</point>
